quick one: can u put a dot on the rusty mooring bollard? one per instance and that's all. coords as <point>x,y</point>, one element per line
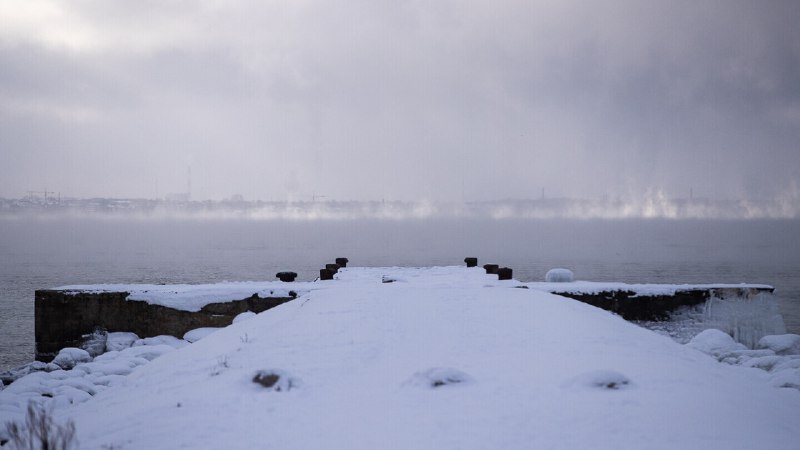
<point>325,274</point>
<point>342,262</point>
<point>504,273</point>
<point>491,269</point>
<point>287,277</point>
<point>332,267</point>
<point>471,262</point>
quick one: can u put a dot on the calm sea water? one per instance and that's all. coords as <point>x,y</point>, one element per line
<point>48,252</point>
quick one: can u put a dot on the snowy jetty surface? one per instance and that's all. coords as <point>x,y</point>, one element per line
<point>192,297</point>
<point>439,358</point>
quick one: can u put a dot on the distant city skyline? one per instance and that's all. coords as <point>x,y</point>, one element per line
<point>414,101</point>
<point>186,196</point>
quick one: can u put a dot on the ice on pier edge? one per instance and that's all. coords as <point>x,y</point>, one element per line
<point>502,368</point>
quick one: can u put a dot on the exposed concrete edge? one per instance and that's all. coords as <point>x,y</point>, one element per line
<point>635,306</point>
<point>62,318</point>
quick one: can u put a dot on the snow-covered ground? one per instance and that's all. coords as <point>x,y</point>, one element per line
<point>440,358</point>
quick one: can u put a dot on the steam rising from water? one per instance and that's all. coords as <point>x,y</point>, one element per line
<point>651,205</point>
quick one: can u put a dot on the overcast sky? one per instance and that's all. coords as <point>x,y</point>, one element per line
<point>438,100</point>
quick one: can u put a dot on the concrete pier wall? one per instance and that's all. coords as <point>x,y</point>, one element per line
<point>635,306</point>
<point>62,318</point>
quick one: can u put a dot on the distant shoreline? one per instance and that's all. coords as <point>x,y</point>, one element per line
<point>657,207</point>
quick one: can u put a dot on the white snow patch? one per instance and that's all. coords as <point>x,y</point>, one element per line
<point>787,379</point>
<point>763,362</point>
<point>164,339</point>
<point>715,342</point>
<point>790,362</point>
<point>784,344</point>
<point>244,316</point>
<point>601,379</point>
<point>439,377</point>
<point>69,357</point>
<point>82,378</point>
<point>120,340</point>
<point>739,357</point>
<point>195,335</point>
<point>784,369</point>
<point>148,352</point>
<point>193,297</point>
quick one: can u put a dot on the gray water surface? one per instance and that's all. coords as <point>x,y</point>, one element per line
<point>39,253</point>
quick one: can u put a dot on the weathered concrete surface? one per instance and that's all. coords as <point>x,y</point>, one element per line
<point>633,306</point>
<point>63,317</point>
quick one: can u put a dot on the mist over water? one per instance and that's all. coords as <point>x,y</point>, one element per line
<point>40,253</point>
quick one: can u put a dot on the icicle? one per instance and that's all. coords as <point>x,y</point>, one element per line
<point>746,316</point>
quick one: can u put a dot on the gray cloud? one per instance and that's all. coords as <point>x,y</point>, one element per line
<point>405,100</point>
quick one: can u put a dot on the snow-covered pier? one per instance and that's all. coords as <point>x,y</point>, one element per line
<point>429,358</point>
<point>65,315</point>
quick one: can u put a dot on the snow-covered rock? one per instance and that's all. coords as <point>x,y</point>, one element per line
<point>559,275</point>
<point>714,342</point>
<point>439,377</point>
<point>763,362</point>
<point>734,357</point>
<point>120,340</point>
<point>10,376</point>
<point>195,335</point>
<point>789,362</point>
<point>601,379</point>
<point>148,352</point>
<point>783,344</point>
<point>787,379</point>
<point>95,342</point>
<point>275,380</point>
<point>776,355</point>
<point>244,316</point>
<point>69,357</point>
<point>80,380</point>
<point>164,339</point>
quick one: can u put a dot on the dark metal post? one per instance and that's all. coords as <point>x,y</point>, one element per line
<point>286,277</point>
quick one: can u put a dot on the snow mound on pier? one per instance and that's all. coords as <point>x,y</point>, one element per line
<point>195,335</point>
<point>559,275</point>
<point>601,379</point>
